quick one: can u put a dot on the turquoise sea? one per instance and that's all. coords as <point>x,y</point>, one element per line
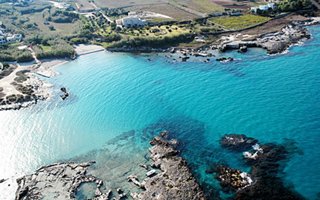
<point>272,98</point>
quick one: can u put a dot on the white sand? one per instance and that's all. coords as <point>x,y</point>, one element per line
<point>83,49</point>
<point>5,83</point>
<point>47,67</point>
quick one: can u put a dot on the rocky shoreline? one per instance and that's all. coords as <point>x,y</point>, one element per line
<point>175,180</point>
<point>168,177</point>
<point>21,88</point>
<point>274,43</point>
<point>57,181</point>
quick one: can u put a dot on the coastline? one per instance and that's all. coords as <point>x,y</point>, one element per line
<point>275,36</point>
<point>33,74</point>
<point>277,42</point>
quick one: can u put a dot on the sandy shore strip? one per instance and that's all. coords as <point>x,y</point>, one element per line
<point>46,69</point>
<point>83,49</point>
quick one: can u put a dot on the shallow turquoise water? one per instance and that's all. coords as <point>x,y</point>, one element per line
<point>268,97</point>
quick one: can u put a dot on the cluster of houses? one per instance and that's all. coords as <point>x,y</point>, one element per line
<point>7,38</point>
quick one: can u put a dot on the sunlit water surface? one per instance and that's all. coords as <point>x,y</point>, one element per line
<point>271,98</point>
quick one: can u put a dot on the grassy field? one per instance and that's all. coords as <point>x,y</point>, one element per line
<point>126,3</point>
<point>59,28</point>
<point>165,9</point>
<point>202,6</point>
<point>177,9</point>
<point>239,22</point>
<point>34,23</point>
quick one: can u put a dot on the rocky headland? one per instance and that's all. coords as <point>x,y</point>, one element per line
<point>20,87</point>
<point>275,37</point>
<point>275,42</point>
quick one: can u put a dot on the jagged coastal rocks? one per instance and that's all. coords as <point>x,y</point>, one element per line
<point>168,175</point>
<point>20,88</point>
<point>174,181</point>
<point>263,181</point>
<point>169,178</point>
<point>274,43</point>
<point>237,142</point>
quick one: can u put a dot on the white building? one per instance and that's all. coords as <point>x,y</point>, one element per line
<point>14,38</point>
<point>266,7</point>
<point>131,21</point>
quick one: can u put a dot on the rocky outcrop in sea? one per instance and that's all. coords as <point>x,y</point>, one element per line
<point>263,181</point>
<point>276,42</point>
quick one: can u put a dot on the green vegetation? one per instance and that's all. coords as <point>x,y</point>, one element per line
<point>293,5</point>
<point>52,31</point>
<point>239,22</point>
<point>54,49</point>
<point>156,42</point>
<point>10,53</point>
<point>59,16</point>
<point>153,36</point>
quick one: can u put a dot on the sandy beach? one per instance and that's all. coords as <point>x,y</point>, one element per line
<point>83,49</point>
<point>32,74</point>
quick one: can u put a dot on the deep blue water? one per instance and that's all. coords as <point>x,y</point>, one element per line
<point>271,98</point>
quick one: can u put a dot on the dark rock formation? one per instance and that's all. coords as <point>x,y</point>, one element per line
<point>237,142</point>
<point>265,162</point>
<point>64,94</point>
<point>232,179</point>
<point>2,180</point>
<point>185,58</point>
<point>225,59</point>
<point>243,49</point>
